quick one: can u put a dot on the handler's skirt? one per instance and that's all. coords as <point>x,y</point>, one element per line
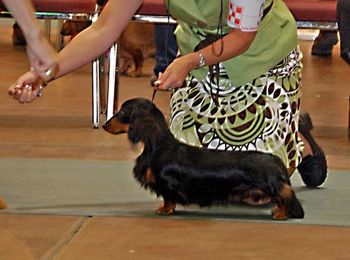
<point>261,115</point>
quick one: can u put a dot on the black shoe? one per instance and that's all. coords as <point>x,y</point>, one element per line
<point>313,168</point>
<point>345,54</point>
<point>323,44</point>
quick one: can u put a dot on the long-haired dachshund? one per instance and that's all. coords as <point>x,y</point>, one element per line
<point>190,175</point>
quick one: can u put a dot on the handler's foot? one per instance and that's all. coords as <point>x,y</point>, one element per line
<point>313,168</point>
<point>323,44</point>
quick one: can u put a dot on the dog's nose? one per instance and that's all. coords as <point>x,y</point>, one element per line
<point>105,126</point>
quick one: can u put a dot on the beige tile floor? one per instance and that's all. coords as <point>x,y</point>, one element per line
<point>59,126</point>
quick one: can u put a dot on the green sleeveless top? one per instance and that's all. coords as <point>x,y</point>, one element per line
<point>275,38</point>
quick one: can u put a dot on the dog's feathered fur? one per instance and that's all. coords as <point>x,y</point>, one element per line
<point>189,175</point>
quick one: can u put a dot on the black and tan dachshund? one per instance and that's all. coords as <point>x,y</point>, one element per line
<point>190,175</point>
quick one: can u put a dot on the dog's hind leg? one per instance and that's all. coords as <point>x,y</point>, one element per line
<point>166,208</point>
<point>138,62</point>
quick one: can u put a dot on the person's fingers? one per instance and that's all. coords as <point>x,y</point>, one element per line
<point>14,88</point>
<point>158,81</point>
<point>25,92</point>
<point>17,94</point>
<point>37,91</point>
<point>164,81</point>
<point>30,96</point>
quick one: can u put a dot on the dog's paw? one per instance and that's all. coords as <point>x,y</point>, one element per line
<point>166,209</point>
<point>135,73</point>
<point>279,213</point>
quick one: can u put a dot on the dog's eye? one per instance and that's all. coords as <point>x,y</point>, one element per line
<point>122,117</point>
<point>124,120</point>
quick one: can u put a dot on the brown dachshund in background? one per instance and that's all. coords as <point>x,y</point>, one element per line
<point>190,175</point>
<point>136,44</point>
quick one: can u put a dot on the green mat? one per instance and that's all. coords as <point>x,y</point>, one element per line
<point>104,188</point>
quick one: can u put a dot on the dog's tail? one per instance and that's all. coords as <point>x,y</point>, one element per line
<point>295,208</point>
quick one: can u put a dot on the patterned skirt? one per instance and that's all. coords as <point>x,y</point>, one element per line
<point>261,115</point>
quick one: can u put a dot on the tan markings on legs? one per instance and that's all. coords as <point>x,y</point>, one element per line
<point>167,208</point>
<point>285,194</point>
<point>149,177</point>
<point>3,204</point>
<point>280,212</point>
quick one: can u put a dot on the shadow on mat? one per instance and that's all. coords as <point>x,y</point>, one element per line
<point>148,209</point>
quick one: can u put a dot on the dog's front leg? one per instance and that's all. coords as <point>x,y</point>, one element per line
<point>2,204</point>
<point>279,212</point>
<point>166,208</point>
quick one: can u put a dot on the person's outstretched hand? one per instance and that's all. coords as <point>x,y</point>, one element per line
<point>27,87</point>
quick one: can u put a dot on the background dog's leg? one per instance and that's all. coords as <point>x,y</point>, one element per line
<point>167,208</point>
<point>2,204</point>
<point>138,62</point>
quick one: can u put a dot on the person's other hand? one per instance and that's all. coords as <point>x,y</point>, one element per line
<point>43,58</point>
<point>26,88</point>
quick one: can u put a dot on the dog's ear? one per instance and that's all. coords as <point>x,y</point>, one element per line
<point>145,126</point>
<point>137,125</point>
<point>133,133</point>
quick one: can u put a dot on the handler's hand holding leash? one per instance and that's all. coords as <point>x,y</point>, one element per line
<point>176,73</point>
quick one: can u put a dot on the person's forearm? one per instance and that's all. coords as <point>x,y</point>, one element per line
<point>232,45</point>
<point>23,12</point>
<point>97,38</point>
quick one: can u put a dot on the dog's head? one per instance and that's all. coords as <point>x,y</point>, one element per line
<point>129,111</point>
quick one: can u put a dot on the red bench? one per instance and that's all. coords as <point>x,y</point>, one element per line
<point>315,14</point>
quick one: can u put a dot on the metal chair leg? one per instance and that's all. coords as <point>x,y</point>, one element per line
<point>47,28</point>
<point>95,94</point>
<point>103,86</point>
<point>112,81</point>
<point>59,37</point>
